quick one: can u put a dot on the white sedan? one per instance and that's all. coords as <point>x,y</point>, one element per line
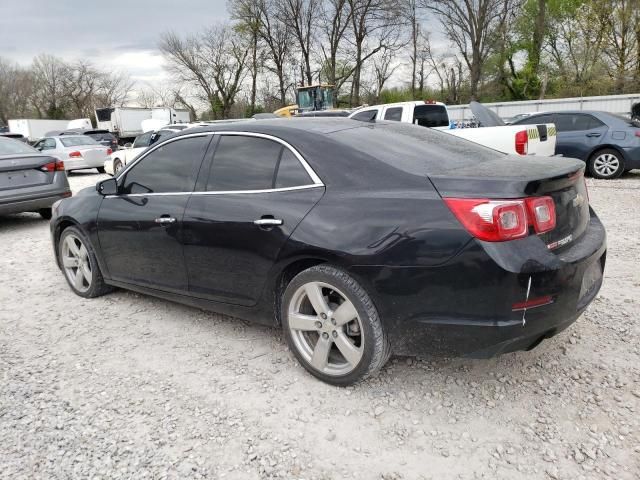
<point>122,157</point>
<point>76,151</point>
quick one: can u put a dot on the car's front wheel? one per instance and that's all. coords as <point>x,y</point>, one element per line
<point>80,265</point>
<point>606,164</point>
<point>332,326</point>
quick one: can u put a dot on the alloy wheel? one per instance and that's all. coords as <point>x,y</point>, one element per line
<point>76,263</point>
<point>606,164</point>
<point>117,167</point>
<point>326,328</point>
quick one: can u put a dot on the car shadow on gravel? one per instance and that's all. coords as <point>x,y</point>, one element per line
<point>21,220</point>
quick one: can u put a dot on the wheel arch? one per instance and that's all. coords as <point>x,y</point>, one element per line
<point>61,225</point>
<point>606,146</point>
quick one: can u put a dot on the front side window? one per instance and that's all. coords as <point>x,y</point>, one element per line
<point>394,114</point>
<point>169,168</point>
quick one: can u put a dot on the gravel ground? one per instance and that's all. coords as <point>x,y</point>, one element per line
<point>128,386</point>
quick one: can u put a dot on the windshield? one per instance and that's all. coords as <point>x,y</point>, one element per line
<point>11,147</point>
<point>77,141</point>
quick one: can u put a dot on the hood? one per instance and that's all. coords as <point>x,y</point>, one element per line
<point>486,117</point>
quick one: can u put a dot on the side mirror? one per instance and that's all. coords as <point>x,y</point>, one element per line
<point>107,187</point>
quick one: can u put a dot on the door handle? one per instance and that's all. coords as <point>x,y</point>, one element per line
<point>165,220</point>
<point>593,134</point>
<point>267,222</point>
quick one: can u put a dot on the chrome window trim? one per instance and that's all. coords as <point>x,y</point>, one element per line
<point>226,192</point>
<point>314,177</point>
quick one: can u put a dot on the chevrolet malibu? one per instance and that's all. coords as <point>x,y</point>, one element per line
<point>358,240</point>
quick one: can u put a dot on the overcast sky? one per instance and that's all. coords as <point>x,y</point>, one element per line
<point>114,34</point>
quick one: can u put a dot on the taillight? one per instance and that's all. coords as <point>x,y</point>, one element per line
<point>542,211</point>
<point>522,142</point>
<point>109,151</point>
<point>502,220</point>
<point>75,154</point>
<point>489,220</point>
<point>57,166</point>
<point>637,133</point>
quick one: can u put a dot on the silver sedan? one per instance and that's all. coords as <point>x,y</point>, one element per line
<point>76,151</point>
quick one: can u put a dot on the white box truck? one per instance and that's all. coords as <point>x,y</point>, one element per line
<point>170,115</point>
<point>126,122</point>
<point>33,129</point>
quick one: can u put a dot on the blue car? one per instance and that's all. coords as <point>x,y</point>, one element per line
<point>608,143</point>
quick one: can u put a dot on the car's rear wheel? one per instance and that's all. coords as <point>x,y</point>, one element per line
<point>117,166</point>
<point>332,326</point>
<point>100,169</point>
<point>45,213</point>
<point>80,265</point>
<point>606,164</point>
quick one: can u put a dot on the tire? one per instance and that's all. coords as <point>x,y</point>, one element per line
<point>117,166</point>
<point>318,339</point>
<point>92,283</point>
<point>100,169</point>
<point>45,213</point>
<point>606,164</point>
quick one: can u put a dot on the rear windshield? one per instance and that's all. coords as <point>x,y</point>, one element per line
<point>419,151</point>
<point>431,116</point>
<point>11,147</point>
<point>101,136</point>
<point>77,141</point>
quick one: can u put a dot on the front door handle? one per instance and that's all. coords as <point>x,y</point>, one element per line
<point>165,220</point>
<point>267,222</point>
<point>593,134</point>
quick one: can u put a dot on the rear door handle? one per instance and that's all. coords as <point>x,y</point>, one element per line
<point>268,222</point>
<point>165,220</point>
<point>593,134</point>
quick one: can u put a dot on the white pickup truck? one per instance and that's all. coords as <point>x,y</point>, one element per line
<point>514,139</point>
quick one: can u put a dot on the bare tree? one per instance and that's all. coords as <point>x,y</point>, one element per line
<point>335,19</point>
<point>247,15</point>
<point>16,90</point>
<point>383,69</point>
<point>214,62</point>
<point>471,26</point>
<point>300,16</point>
<point>277,37</point>
<point>375,25</point>
<point>620,42</point>
<point>50,77</point>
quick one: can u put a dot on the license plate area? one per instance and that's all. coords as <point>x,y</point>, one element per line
<point>22,178</point>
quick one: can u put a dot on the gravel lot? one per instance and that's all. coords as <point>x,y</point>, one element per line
<point>128,386</point>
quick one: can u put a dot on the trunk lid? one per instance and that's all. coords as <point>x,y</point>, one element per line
<point>92,154</point>
<point>510,177</point>
<point>23,170</point>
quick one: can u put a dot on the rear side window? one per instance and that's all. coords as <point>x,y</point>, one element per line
<point>170,168</point>
<point>366,116</point>
<point>291,173</point>
<point>575,122</point>
<point>394,114</point>
<point>430,116</point>
<point>243,163</point>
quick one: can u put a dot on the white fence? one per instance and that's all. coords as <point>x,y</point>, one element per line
<point>620,104</point>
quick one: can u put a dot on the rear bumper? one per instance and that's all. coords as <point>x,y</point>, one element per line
<point>631,158</point>
<point>80,163</point>
<point>31,204</point>
<point>465,307</point>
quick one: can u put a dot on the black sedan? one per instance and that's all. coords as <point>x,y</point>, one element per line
<point>609,144</point>
<point>29,180</point>
<point>359,240</point>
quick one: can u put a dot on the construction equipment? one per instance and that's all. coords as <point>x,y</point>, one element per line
<point>310,98</point>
